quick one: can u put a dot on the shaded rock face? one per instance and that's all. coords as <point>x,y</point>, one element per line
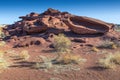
<point>26,41</point>
<point>30,41</point>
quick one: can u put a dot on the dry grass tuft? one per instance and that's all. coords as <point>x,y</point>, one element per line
<point>44,62</point>
<point>70,58</point>
<point>110,60</point>
<point>107,45</point>
<point>116,58</point>
<point>62,46</point>
<point>95,49</point>
<point>107,62</point>
<point>2,43</point>
<point>24,55</point>
<point>1,54</point>
<point>3,64</point>
<point>2,35</point>
<point>61,43</point>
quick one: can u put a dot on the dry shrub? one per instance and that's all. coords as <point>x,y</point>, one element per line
<point>108,45</point>
<point>1,54</point>
<point>2,35</point>
<point>2,43</point>
<point>116,58</point>
<point>110,60</point>
<point>107,62</point>
<point>24,55</point>
<point>117,43</point>
<point>62,46</point>
<point>44,62</point>
<point>3,64</point>
<point>117,28</point>
<point>95,49</point>
<point>70,58</point>
<point>61,43</point>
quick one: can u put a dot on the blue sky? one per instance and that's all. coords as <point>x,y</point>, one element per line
<point>106,10</point>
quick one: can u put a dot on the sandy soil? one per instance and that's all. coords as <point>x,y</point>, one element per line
<point>22,70</point>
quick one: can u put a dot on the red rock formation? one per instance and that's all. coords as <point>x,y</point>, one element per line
<point>86,25</point>
<point>52,12</point>
<point>53,21</point>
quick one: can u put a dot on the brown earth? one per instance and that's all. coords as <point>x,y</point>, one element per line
<point>89,70</point>
<point>35,32</point>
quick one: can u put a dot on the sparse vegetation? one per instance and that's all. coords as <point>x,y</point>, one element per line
<point>1,54</point>
<point>117,43</point>
<point>24,55</point>
<point>55,78</point>
<point>2,43</point>
<point>110,60</point>
<point>2,35</point>
<point>117,27</point>
<point>108,45</point>
<point>95,49</point>
<point>45,62</point>
<point>55,45</point>
<point>116,58</point>
<point>3,64</point>
<point>107,62</point>
<point>62,46</point>
<point>70,58</point>
<point>61,43</point>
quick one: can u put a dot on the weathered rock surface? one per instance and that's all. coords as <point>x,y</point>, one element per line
<point>37,23</point>
<point>55,22</point>
<point>29,41</point>
<point>86,25</point>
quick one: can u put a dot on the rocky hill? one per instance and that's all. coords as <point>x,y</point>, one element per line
<point>55,22</point>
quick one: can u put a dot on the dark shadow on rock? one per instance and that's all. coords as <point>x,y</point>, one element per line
<point>51,46</point>
<point>97,68</point>
<point>16,58</point>
<point>72,34</point>
<point>22,64</point>
<point>48,51</point>
<point>102,47</point>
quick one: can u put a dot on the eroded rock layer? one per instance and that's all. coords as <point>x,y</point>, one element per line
<point>87,25</point>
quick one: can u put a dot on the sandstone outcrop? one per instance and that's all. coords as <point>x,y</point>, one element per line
<point>86,25</point>
<point>55,22</point>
